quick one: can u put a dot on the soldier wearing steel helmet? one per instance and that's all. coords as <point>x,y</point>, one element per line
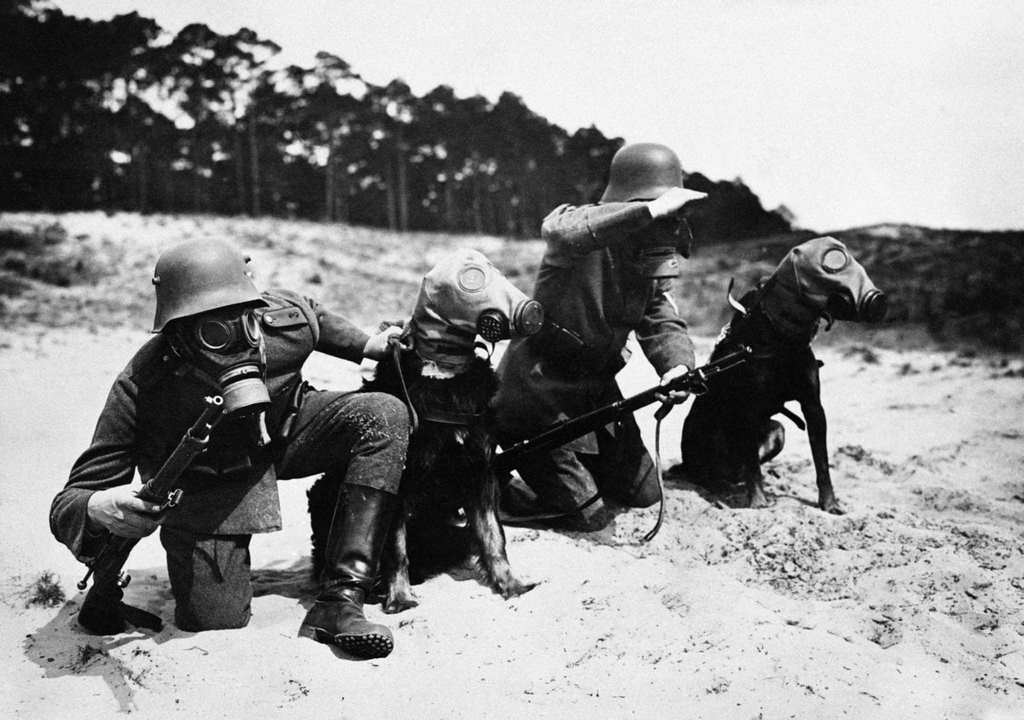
<point>217,334</point>
<point>608,271</point>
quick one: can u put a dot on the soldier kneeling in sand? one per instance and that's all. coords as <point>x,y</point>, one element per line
<point>217,335</point>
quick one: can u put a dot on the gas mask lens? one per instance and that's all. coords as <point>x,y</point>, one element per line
<point>221,335</point>
<point>835,260</point>
<point>214,334</point>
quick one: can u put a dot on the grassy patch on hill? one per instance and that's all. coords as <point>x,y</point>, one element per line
<point>946,286</point>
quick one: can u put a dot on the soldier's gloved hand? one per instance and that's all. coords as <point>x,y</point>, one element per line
<point>119,511</point>
<point>377,346</point>
<point>671,201</point>
<point>673,396</point>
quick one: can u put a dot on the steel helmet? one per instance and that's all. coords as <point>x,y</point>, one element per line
<point>642,171</point>
<point>198,276</point>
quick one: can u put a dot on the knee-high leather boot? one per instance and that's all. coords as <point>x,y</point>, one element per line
<point>351,557</point>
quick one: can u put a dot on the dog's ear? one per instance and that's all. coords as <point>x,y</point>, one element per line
<point>736,304</point>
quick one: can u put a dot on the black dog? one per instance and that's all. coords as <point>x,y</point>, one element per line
<point>729,430</point>
<point>449,495</point>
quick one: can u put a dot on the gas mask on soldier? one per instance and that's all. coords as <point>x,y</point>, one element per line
<point>645,172</point>
<point>664,241</point>
<point>668,237</point>
<point>226,345</point>
<point>464,297</point>
<point>204,304</point>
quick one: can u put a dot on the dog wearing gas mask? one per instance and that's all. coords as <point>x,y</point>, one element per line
<point>729,431</point>
<point>440,368</point>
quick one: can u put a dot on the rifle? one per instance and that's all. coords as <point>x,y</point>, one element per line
<point>566,430</point>
<point>103,611</point>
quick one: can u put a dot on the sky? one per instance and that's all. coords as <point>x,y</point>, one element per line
<point>848,112</point>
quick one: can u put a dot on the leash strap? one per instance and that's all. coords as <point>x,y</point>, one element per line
<point>660,415</point>
<point>396,353</point>
<point>441,417</point>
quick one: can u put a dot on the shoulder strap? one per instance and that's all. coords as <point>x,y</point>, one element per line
<point>287,309</point>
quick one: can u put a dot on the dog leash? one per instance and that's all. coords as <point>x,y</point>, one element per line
<point>396,353</point>
<point>441,417</point>
<point>659,415</point>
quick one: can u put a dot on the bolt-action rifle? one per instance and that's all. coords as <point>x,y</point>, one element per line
<point>694,381</point>
<point>103,611</point>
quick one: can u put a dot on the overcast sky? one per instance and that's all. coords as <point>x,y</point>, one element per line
<point>850,113</point>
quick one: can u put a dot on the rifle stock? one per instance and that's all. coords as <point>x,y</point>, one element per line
<point>102,611</point>
<point>567,430</point>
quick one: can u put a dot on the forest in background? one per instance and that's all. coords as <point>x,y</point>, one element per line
<point>121,115</point>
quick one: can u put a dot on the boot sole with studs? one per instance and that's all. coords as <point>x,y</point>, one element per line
<point>373,645</point>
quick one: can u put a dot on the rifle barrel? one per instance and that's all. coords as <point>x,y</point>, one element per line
<point>567,430</point>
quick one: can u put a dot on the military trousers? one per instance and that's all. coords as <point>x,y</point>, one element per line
<point>621,470</point>
<point>364,434</point>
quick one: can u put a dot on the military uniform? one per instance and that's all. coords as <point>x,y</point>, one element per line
<point>593,286</point>
<point>231,490</point>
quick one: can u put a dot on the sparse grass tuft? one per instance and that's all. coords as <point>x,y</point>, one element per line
<point>86,654</point>
<point>45,591</point>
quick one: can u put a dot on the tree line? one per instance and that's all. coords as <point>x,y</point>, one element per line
<point>120,115</point>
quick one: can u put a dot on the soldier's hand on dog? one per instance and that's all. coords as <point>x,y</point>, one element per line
<point>672,201</point>
<point>119,511</point>
<point>379,344</point>
<point>674,397</point>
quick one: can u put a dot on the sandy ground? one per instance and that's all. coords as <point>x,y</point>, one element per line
<point>910,605</point>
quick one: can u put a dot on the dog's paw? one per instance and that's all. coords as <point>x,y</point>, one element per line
<point>831,505</point>
<point>399,604</point>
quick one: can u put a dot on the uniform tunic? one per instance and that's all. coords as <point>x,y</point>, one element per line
<point>231,487</point>
<point>592,284</point>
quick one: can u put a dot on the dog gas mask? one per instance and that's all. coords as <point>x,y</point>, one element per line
<point>462,297</point>
<point>822,276</point>
<point>227,346</point>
